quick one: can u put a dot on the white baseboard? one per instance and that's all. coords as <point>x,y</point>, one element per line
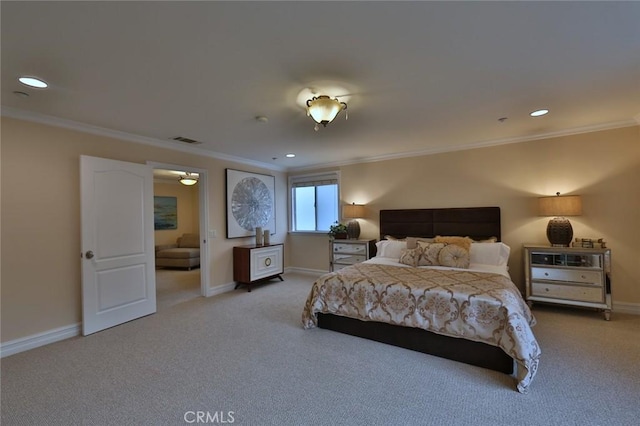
<point>314,272</point>
<point>30,342</point>
<point>212,291</point>
<point>223,288</point>
<point>626,308</point>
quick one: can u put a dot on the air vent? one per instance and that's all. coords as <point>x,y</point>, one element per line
<point>186,140</point>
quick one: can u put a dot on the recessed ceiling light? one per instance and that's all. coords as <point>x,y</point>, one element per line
<point>33,82</point>
<point>290,155</point>
<point>539,112</point>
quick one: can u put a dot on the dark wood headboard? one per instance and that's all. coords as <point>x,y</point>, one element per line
<point>475,222</point>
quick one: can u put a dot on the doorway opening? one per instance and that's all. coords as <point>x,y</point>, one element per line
<point>180,222</point>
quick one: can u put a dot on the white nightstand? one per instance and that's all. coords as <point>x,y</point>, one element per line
<point>568,276</point>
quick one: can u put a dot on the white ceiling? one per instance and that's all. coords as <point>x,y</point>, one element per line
<point>424,76</point>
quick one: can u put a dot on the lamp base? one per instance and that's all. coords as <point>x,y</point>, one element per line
<point>559,232</point>
<point>353,230</point>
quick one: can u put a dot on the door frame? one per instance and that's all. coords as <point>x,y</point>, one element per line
<point>203,205</point>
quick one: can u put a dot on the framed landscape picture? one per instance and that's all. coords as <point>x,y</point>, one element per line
<point>165,213</point>
<point>250,203</point>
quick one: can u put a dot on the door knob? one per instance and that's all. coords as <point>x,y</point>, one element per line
<point>89,254</point>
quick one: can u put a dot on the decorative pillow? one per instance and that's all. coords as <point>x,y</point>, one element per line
<point>392,238</point>
<point>454,256</point>
<point>464,242</point>
<point>410,256</point>
<point>429,253</point>
<point>412,242</point>
<point>496,254</point>
<point>387,248</point>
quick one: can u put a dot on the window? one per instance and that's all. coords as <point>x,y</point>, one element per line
<point>314,202</point>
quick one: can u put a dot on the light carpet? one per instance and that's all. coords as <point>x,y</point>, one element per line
<point>175,286</point>
<point>243,358</point>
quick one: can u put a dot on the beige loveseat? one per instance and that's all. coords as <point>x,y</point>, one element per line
<point>184,254</point>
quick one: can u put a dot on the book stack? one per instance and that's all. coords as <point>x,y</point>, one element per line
<point>589,243</point>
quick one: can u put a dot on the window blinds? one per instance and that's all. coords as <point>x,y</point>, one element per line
<point>314,180</point>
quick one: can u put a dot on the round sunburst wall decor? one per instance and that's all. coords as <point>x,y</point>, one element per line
<point>250,203</point>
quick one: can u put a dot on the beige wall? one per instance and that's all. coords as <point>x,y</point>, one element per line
<point>40,219</point>
<point>40,196</point>
<point>603,167</point>
<point>188,210</point>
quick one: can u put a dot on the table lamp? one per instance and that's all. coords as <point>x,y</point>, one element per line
<point>559,230</point>
<point>353,211</point>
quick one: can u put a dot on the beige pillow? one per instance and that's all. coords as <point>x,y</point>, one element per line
<point>464,242</point>
<point>454,256</point>
<point>410,256</point>
<point>412,242</point>
<point>429,253</point>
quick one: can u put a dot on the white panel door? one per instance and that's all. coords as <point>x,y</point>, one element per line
<point>118,265</point>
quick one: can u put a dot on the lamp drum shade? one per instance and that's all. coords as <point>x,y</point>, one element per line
<point>570,205</point>
<point>353,211</point>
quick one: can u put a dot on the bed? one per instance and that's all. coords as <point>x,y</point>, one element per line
<point>469,312</point>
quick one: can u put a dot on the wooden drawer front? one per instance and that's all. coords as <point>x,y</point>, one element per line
<point>348,259</point>
<point>266,262</point>
<point>350,248</point>
<point>569,292</point>
<point>571,275</point>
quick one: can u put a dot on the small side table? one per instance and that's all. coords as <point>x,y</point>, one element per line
<point>253,263</point>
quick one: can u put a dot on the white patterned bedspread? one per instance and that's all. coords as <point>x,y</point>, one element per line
<point>470,303</point>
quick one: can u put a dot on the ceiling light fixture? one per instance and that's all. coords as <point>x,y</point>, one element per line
<point>189,179</point>
<point>33,82</point>
<point>290,155</point>
<point>324,109</point>
<point>539,112</point>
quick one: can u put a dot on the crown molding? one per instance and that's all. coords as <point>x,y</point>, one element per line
<point>100,131</point>
<point>480,144</point>
<point>128,137</point>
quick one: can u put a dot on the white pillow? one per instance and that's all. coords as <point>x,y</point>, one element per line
<point>390,248</point>
<point>496,254</point>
